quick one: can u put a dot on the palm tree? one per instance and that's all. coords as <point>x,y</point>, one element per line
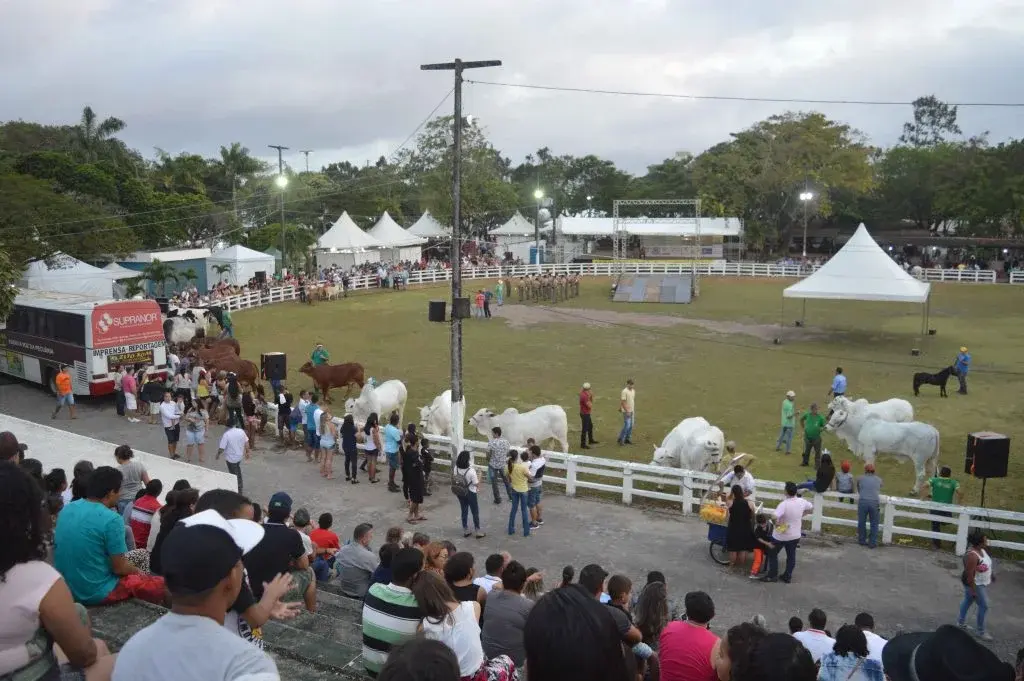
<point>236,162</point>
<point>221,270</point>
<point>133,287</point>
<point>190,275</point>
<point>160,273</point>
<point>92,134</point>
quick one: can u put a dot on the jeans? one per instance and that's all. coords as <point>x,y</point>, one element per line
<point>501,298</point>
<point>322,568</point>
<point>350,463</point>
<point>980,596</point>
<point>962,377</point>
<point>518,503</point>
<point>809,444</point>
<point>785,438</point>
<point>227,333</point>
<point>500,474</point>
<point>586,430</point>
<point>867,511</point>
<point>627,428</point>
<point>470,504</point>
<point>773,559</point>
<point>809,485</point>
<point>236,468</point>
<point>119,402</point>
<point>937,526</point>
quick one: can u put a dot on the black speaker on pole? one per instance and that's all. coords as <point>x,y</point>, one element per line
<point>460,308</point>
<point>436,311</point>
<point>987,455</point>
<point>274,366</point>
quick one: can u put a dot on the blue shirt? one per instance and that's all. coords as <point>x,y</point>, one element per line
<point>841,667</point>
<point>87,535</point>
<point>839,384</point>
<point>308,419</point>
<point>392,439</point>
<point>963,363</point>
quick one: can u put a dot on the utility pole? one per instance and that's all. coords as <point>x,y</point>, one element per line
<point>307,152</point>
<point>458,416</point>
<point>281,183</point>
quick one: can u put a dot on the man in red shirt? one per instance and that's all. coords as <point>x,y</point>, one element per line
<point>587,430</point>
<point>326,544</point>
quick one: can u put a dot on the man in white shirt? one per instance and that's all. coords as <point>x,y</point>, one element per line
<point>875,642</point>
<point>173,361</point>
<point>234,445</point>
<point>494,565</point>
<point>814,638</point>
<point>536,468</point>
<point>170,417</point>
<point>742,477</point>
<point>788,522</point>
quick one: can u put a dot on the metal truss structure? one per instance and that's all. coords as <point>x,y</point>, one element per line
<point>620,226</point>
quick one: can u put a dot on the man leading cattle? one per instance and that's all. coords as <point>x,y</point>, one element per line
<point>586,421</point>
<point>962,364</point>
<point>319,355</point>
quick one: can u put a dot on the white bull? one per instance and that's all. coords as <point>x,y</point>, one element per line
<point>389,396</point>
<point>894,410</point>
<point>437,418</point>
<point>871,436</point>
<point>547,422</point>
<point>694,445</point>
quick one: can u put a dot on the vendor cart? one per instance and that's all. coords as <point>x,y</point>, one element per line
<point>714,512</point>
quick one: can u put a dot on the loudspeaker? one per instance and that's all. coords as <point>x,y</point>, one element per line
<point>165,304</point>
<point>460,308</point>
<point>987,455</point>
<point>436,310</point>
<point>274,366</point>
<point>261,277</point>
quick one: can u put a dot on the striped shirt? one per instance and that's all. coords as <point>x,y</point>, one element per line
<point>390,617</point>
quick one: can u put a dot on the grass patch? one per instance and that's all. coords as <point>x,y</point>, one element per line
<point>713,358</point>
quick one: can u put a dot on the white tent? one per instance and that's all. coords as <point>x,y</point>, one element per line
<point>515,237</point>
<point>517,225</point>
<point>346,245</point>
<point>428,227</point>
<point>244,262</point>
<point>121,272</point>
<point>682,227</point>
<point>69,275</point>
<point>399,244</point>
<point>861,270</point>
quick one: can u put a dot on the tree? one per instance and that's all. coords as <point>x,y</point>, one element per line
<point>133,287</point>
<point>933,122</point>
<point>236,164</point>
<point>190,275</point>
<point>10,272</point>
<point>93,136</point>
<point>299,241</point>
<point>221,270</point>
<point>159,273</point>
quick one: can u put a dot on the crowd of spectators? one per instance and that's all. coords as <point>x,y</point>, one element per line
<point>225,566</point>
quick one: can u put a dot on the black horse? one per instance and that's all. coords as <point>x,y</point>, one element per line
<point>940,379</point>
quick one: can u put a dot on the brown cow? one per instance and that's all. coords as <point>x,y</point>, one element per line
<point>209,343</point>
<point>246,371</point>
<point>327,376</point>
<point>208,355</point>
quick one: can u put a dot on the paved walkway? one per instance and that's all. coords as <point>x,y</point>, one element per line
<point>902,587</point>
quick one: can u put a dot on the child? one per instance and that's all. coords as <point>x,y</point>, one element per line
<point>844,481</point>
<point>763,536</point>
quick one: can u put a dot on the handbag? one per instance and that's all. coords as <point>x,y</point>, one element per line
<point>382,457</point>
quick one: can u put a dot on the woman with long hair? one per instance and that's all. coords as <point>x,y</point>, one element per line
<point>372,444</point>
<point>435,555</point>
<point>457,624</point>
<point>849,657</point>
<point>328,441</point>
<point>349,442</point>
<point>183,384</point>
<point>976,579</point>
<point>534,588</point>
<point>197,421</point>
<point>568,572</point>
<point>470,501</point>
<point>825,478</point>
<point>180,504</point>
<point>233,400</point>
<point>519,481</point>
<point>79,478</point>
<point>736,645</point>
<point>739,535</point>
<point>651,613</point>
<point>133,476</point>
<point>412,477</point>
<point>774,657</point>
<point>39,610</point>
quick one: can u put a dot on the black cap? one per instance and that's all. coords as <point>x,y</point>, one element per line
<point>203,549</point>
<point>947,654</point>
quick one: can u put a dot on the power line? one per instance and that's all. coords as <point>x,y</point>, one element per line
<point>726,98</point>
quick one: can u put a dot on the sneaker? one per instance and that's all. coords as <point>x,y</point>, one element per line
<point>467,535</point>
<point>540,521</point>
<point>481,535</point>
<point>753,577</point>
<point>534,526</point>
<point>984,635</point>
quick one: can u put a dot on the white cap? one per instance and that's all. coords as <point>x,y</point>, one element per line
<point>790,394</point>
<point>586,386</point>
<point>245,533</point>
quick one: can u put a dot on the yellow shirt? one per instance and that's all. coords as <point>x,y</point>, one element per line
<point>628,396</point>
<point>519,478</point>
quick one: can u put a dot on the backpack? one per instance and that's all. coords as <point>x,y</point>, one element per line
<point>460,484</point>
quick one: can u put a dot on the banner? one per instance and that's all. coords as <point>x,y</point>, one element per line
<point>126,322</point>
<point>137,357</point>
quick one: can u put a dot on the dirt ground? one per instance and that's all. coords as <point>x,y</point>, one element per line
<point>521,316</point>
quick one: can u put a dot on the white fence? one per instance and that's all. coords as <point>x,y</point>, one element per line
<point>630,481</point>
<point>1017,277</point>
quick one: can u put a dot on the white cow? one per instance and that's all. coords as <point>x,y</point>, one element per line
<point>547,422</point>
<point>894,410</point>
<point>871,436</point>
<point>694,445</point>
<point>437,418</point>
<point>179,330</point>
<point>389,396</point>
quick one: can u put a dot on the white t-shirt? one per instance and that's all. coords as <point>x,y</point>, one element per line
<point>22,590</point>
<point>746,482</point>
<point>169,414</point>
<point>461,634</point>
<point>817,642</point>
<point>302,410</point>
<point>875,645</point>
<point>487,582</point>
<point>788,519</point>
<point>533,466</point>
<point>233,442</point>
<point>317,413</point>
<point>173,362</point>
<point>307,543</point>
<point>472,479</point>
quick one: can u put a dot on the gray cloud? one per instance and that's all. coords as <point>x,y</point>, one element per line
<point>344,79</point>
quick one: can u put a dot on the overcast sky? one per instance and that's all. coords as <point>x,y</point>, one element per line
<point>342,78</point>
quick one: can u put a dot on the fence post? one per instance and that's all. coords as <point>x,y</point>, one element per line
<point>819,510</point>
<point>963,526</point>
<point>686,493</point>
<point>888,520</point>
<point>627,485</point>
<point>570,475</point>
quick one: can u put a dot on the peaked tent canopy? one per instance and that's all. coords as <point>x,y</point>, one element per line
<point>428,227</point>
<point>69,275</point>
<point>517,225</point>
<point>345,235</point>
<point>861,270</point>
<point>121,272</point>
<point>244,262</point>
<point>391,234</point>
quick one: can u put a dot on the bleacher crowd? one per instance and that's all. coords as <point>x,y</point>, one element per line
<point>225,566</point>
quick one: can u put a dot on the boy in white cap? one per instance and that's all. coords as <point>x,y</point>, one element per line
<point>788,421</point>
<point>586,423</point>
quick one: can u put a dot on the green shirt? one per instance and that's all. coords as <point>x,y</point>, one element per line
<point>788,413</point>
<point>813,423</point>
<point>225,320</point>
<point>943,489</point>
<point>319,356</point>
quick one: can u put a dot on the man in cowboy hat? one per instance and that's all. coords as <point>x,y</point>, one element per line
<point>947,654</point>
<point>586,423</point>
<point>961,365</point>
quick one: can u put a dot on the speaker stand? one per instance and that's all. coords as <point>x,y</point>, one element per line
<point>984,481</point>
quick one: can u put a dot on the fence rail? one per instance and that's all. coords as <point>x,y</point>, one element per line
<point>1017,277</point>
<point>630,481</point>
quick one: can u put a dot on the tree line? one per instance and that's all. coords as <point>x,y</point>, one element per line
<point>80,190</point>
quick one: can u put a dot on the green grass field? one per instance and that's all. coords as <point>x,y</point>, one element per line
<point>714,358</point>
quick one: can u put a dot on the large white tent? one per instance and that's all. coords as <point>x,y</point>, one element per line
<point>244,262</point>
<point>861,270</point>
<point>69,275</point>
<point>429,228</point>
<point>346,245</point>
<point>121,272</point>
<point>586,226</point>
<point>516,237</point>
<point>517,225</point>
<point>399,245</point>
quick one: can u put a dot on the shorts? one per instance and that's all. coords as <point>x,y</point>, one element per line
<point>370,454</point>
<point>312,439</point>
<point>66,400</point>
<point>253,421</point>
<point>533,496</point>
<point>195,437</point>
<point>130,403</point>
<point>301,579</point>
<point>392,459</point>
<point>149,588</point>
<point>173,434</point>
<point>282,421</point>
<point>326,443</point>
<point>154,408</point>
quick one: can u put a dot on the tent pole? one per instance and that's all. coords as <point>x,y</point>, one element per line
<point>803,313</point>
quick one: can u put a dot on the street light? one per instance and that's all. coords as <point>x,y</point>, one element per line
<point>538,194</point>
<point>590,208</point>
<point>281,181</point>
<point>805,198</point>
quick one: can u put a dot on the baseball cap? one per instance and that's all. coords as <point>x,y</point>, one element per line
<point>586,386</point>
<point>280,501</point>
<point>790,393</point>
<point>948,653</point>
<point>963,348</point>
<point>10,448</point>
<point>203,549</point>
